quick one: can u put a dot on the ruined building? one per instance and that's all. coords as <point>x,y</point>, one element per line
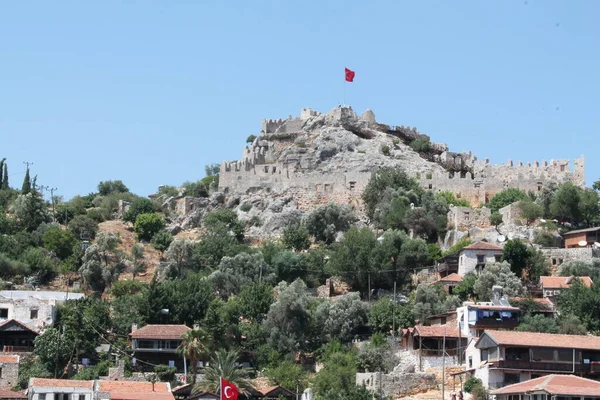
<point>319,158</point>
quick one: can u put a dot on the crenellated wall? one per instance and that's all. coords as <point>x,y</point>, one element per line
<point>258,169</point>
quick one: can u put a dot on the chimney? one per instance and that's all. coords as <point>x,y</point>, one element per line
<point>496,294</point>
<point>133,328</point>
<point>196,327</point>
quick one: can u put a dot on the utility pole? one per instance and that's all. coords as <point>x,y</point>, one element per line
<point>444,364</point>
<point>394,319</point>
<point>52,200</point>
<point>27,163</point>
<point>369,287</point>
<point>297,388</point>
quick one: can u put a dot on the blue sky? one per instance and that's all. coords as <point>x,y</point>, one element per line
<point>149,92</point>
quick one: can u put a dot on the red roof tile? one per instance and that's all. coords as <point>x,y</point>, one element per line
<point>6,359</point>
<point>534,339</point>
<point>9,394</point>
<point>597,228</point>
<point>436,331</point>
<point>62,383</point>
<point>562,282</point>
<point>494,308</point>
<point>542,301</point>
<point>160,332</point>
<point>481,245</point>
<point>563,385</point>
<point>454,277</point>
<point>127,390</point>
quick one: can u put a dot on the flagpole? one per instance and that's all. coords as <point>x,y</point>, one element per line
<point>220,387</point>
<point>344,102</point>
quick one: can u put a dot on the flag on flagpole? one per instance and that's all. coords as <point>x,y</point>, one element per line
<point>228,390</point>
<point>349,75</point>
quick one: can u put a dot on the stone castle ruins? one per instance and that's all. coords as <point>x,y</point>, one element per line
<point>318,158</point>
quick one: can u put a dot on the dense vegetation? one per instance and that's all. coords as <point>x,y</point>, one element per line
<point>253,303</point>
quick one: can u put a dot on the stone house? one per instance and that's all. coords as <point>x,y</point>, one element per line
<point>37,309</point>
<point>60,389</point>
<point>553,285</point>
<point>65,389</point>
<point>432,341</point>
<point>554,386</point>
<point>450,282</point>
<point>9,370</point>
<point>475,256</point>
<point>157,344</point>
<point>501,358</point>
<point>575,238</point>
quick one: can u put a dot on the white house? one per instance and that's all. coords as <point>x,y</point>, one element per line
<point>475,256</point>
<point>60,389</point>
<point>36,309</point>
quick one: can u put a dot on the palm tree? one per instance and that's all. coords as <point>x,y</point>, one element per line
<point>223,365</point>
<point>194,346</point>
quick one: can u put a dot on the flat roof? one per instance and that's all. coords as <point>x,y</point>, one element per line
<point>40,294</point>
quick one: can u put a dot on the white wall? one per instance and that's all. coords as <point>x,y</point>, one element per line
<point>20,309</point>
<point>467,260</point>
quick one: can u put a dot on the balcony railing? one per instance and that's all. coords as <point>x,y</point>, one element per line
<point>543,366</point>
<point>495,323</point>
<point>17,349</point>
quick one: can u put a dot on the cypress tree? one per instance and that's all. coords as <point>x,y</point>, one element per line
<point>26,188</point>
<point>1,178</point>
<point>5,178</point>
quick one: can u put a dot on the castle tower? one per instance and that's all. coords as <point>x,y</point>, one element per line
<point>579,171</point>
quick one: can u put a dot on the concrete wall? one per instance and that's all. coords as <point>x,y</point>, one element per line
<point>397,384</point>
<point>467,261</point>
<point>558,256</point>
<point>51,393</point>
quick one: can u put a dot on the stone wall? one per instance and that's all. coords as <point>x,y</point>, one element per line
<point>21,310</point>
<point>557,256</point>
<point>397,384</point>
<point>511,213</point>
<point>465,218</point>
<point>259,168</point>
<point>10,373</point>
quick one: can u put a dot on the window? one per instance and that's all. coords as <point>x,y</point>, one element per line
<point>470,361</point>
<point>0,373</point>
<point>565,355</point>
<point>498,258</point>
<point>352,185</point>
<point>274,169</point>
<point>480,258</point>
<point>266,169</point>
<point>78,397</point>
<point>542,354</point>
<point>42,396</point>
<point>509,379</point>
<point>554,261</point>
<point>3,313</point>
<point>33,314</point>
<point>484,355</point>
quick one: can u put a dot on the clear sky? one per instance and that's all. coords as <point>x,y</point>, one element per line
<point>149,92</point>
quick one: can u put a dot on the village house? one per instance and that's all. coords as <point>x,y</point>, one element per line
<point>65,389</point>
<point>501,358</point>
<point>432,342</point>
<point>9,394</point>
<point>474,318</point>
<point>9,370</point>
<point>551,387</point>
<point>450,282</point>
<point>16,337</point>
<point>553,285</point>
<point>475,256</point>
<point>157,344</point>
<point>36,309</point>
<point>278,392</point>
<point>576,238</point>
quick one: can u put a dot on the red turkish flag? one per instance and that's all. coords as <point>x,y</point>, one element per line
<point>228,390</point>
<point>349,75</point>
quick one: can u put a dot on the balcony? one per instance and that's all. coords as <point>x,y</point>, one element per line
<point>507,323</point>
<point>544,366</point>
<point>17,349</point>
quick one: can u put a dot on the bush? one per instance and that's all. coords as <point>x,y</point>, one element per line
<point>421,145</point>
<point>246,207</point>
<point>84,227</point>
<point>385,150</point>
<point>296,237</point>
<point>108,187</point>
<point>471,383</point>
<point>139,206</point>
<point>496,218</point>
<point>506,197</point>
<point>147,225</point>
<point>195,189</point>
<point>479,393</point>
<point>161,241</point>
<point>250,139</point>
<point>544,239</point>
<point>327,220</point>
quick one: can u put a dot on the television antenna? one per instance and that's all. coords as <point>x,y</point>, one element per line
<point>501,238</point>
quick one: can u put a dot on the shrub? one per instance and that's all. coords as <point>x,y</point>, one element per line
<point>479,393</point>
<point>147,225</point>
<point>496,218</point>
<point>385,150</point>
<point>395,142</point>
<point>471,383</point>
<point>421,145</point>
<point>195,189</point>
<point>139,206</point>
<point>327,220</point>
<point>296,237</point>
<point>250,139</point>
<point>246,207</point>
<point>84,227</point>
<point>544,239</point>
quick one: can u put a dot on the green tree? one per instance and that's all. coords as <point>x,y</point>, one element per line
<point>195,189</point>
<point>214,245</point>
<point>5,178</point>
<point>506,197</point>
<point>179,255</point>
<point>381,316</point>
<point>108,187</point>
<point>458,246</point>
<point>352,258</point>
<point>545,238</point>
<point>565,203</point>
<point>84,227</point>
<point>589,206</point>
<point>296,237</point>
<point>223,364</point>
<point>287,373</point>
<point>589,268</point>
<point>538,323</point>
<point>60,242</point>
<point>450,199</point>
<point>161,241</point>
<point>226,220</point>
<point>571,325</point>
<point>30,367</point>
<point>255,300</point>
<point>289,265</point>
<point>466,288</point>
<point>30,211</point>
<point>338,373</point>
<point>26,187</point>
<point>596,185</point>
<point>431,300</point>
<point>234,273</point>
<point>516,254</point>
<point>147,225</point>
<point>41,264</point>
<point>325,221</point>
<point>194,347</point>
<point>497,274</point>
<point>289,318</point>
<point>384,180</point>
<point>341,318</point>
<point>530,211</point>
<point>496,218</point>
<point>138,206</point>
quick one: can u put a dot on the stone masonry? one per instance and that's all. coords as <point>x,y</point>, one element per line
<point>317,158</point>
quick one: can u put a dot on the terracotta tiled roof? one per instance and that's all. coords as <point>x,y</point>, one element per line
<point>562,282</point>
<point>127,390</point>
<point>542,301</point>
<point>454,277</point>
<point>481,245</point>
<point>582,231</point>
<point>268,390</point>
<point>62,383</point>
<point>563,385</point>
<point>9,394</point>
<point>7,322</point>
<point>160,332</point>
<point>6,359</point>
<point>534,339</point>
<point>436,331</point>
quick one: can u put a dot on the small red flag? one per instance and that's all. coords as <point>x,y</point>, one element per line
<point>349,75</point>
<point>228,390</point>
